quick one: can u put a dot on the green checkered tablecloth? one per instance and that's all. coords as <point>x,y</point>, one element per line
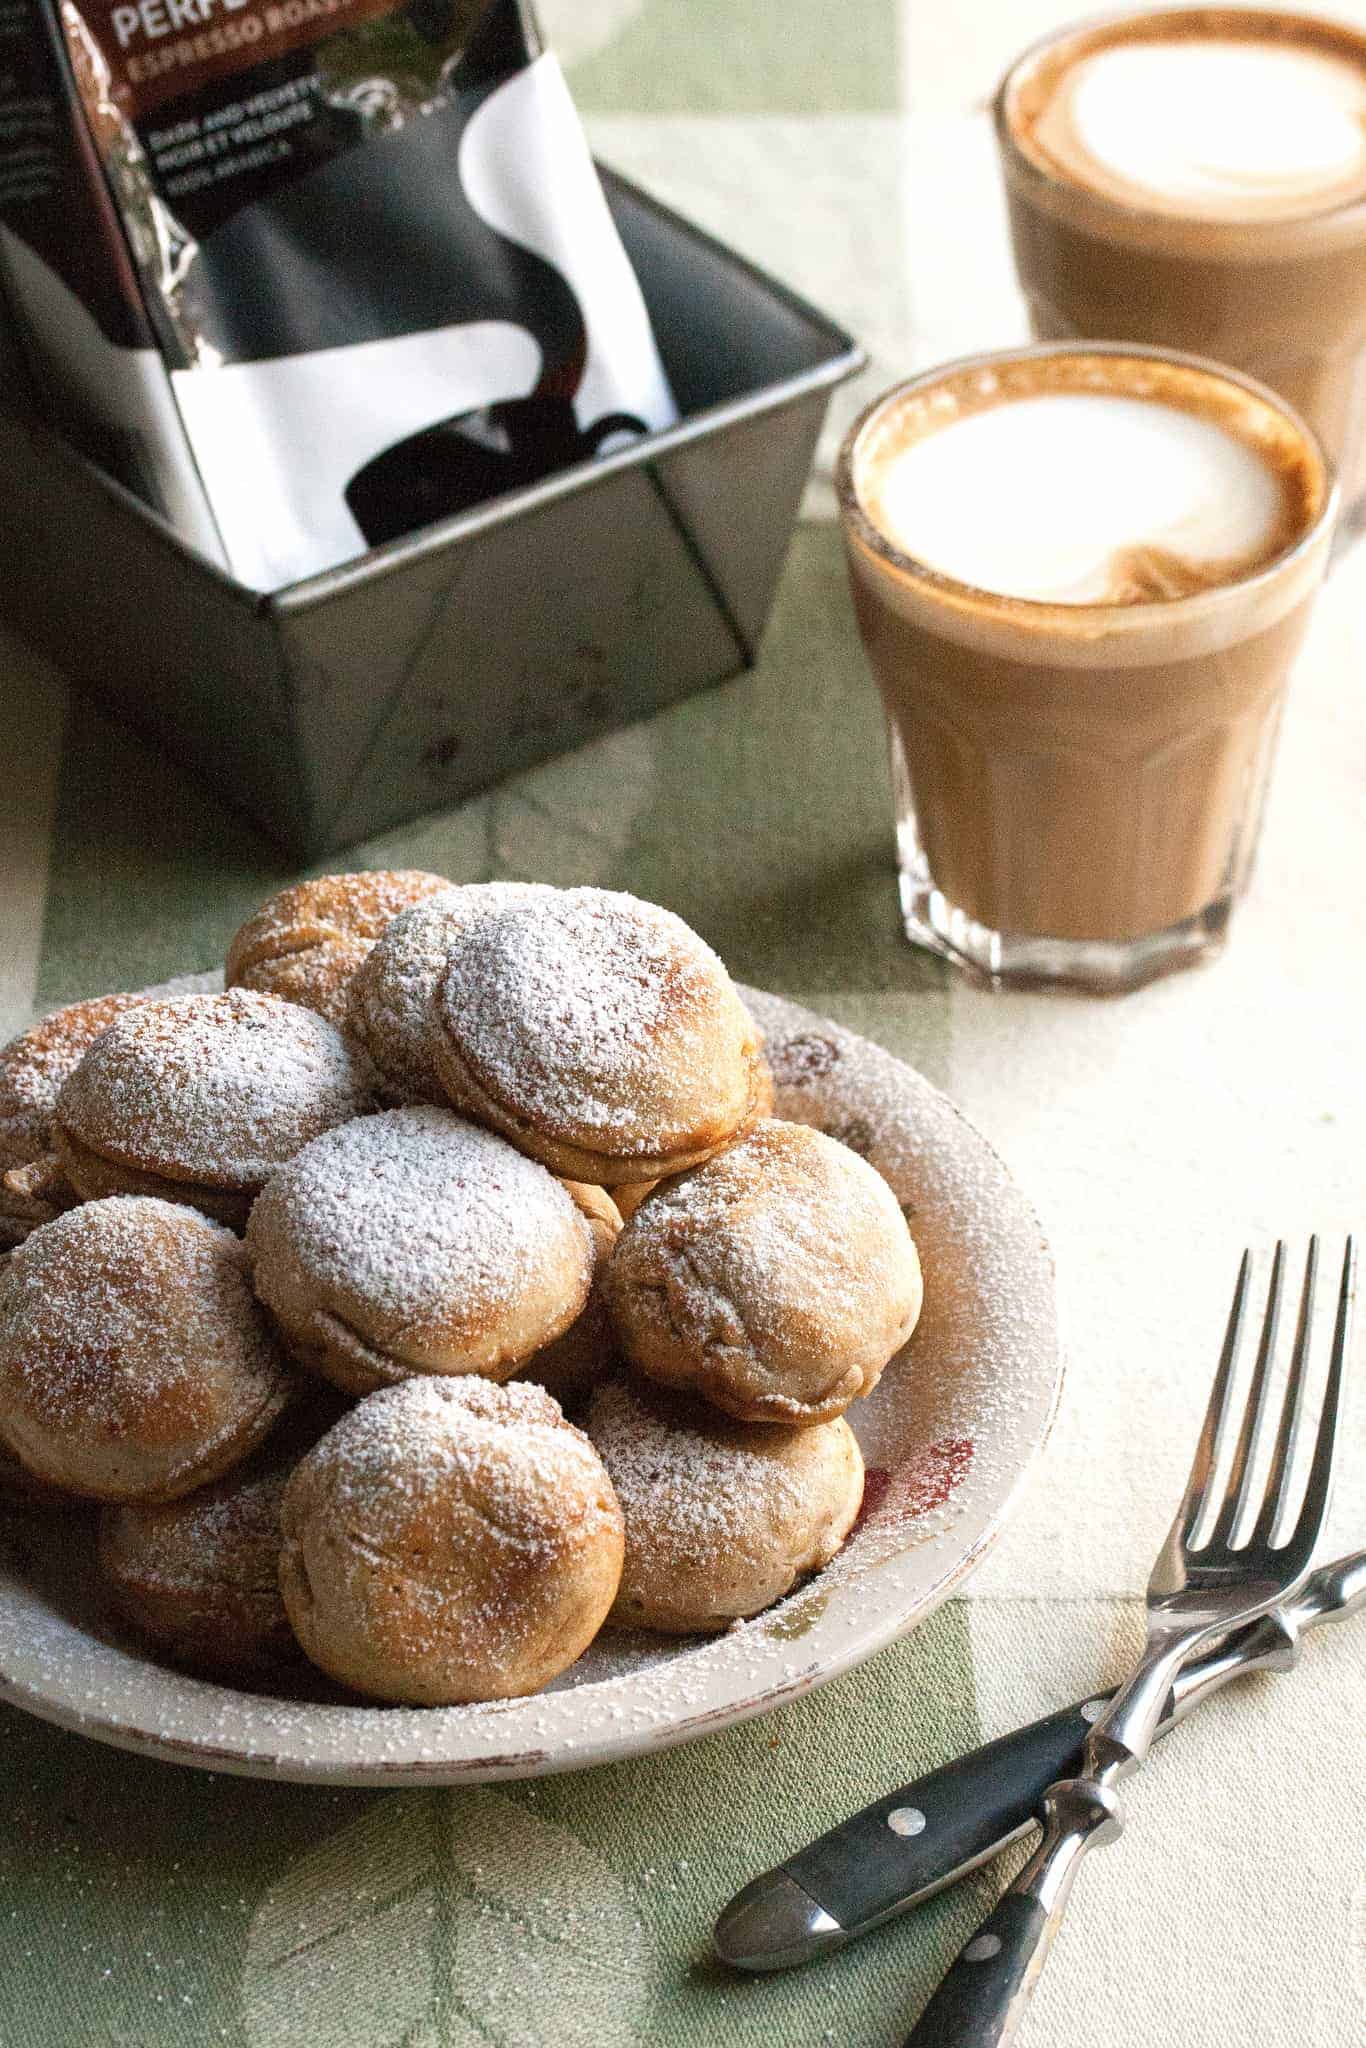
<point>847,150</point>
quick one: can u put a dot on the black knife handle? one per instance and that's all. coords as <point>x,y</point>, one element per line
<point>980,2001</point>
<point>912,1842</point>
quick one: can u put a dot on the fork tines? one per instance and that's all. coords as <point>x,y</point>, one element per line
<point>1245,1519</point>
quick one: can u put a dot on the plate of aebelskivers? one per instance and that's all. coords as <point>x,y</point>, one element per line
<point>481,1340</point>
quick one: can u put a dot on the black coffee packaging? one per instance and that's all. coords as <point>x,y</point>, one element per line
<point>309,274</point>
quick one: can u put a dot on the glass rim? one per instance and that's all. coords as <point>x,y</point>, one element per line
<point>1343,212</point>
<point>1001,605</point>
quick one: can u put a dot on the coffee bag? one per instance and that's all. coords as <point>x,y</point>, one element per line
<point>307,274</point>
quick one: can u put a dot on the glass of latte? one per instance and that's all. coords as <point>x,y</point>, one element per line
<point>1195,178</point>
<point>1081,575</point>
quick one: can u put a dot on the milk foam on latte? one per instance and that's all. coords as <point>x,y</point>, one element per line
<point>1074,497</point>
<point>1224,127</point>
<point>1087,770</point>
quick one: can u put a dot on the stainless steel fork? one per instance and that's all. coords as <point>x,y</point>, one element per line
<point>1206,1581</point>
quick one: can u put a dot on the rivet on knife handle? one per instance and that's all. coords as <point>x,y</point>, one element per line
<point>900,1849</point>
<point>972,1808</point>
<point>982,1999</point>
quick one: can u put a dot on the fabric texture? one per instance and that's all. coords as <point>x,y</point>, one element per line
<point>148,1907</point>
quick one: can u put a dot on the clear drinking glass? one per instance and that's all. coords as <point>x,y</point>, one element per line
<point>1281,300</point>
<point>1078,788</point>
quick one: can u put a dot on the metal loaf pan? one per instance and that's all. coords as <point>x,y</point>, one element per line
<point>434,665</point>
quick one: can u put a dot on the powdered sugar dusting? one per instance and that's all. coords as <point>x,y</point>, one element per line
<point>440,1540</point>
<point>128,1325</point>
<point>782,1268</point>
<point>306,942</point>
<point>213,1088</point>
<point>412,1212</point>
<point>329,909</point>
<point>390,999</point>
<point>988,1320</point>
<point>707,1481</point>
<point>507,1450</point>
<point>34,1066</point>
<point>593,1012</point>
<point>226,1535</point>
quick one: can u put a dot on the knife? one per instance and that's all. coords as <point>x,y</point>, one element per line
<point>913,1842</point>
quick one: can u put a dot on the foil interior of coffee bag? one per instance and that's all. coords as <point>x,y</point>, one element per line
<point>309,274</point>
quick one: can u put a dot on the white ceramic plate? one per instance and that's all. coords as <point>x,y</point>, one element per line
<point>959,1416</point>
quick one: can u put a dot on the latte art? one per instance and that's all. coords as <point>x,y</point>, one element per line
<point>1218,127</point>
<point>1194,178</point>
<point>1080,572</point>
<point>1077,497</point>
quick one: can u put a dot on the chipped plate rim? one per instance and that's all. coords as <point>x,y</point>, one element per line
<point>989,1269</point>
